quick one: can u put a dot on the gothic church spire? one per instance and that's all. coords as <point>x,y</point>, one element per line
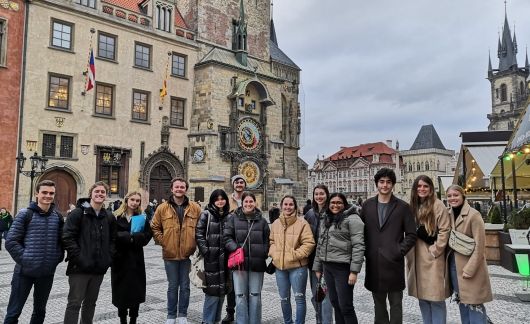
<point>507,51</point>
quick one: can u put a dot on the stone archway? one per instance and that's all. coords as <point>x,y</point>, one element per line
<point>159,182</point>
<point>160,167</point>
<point>65,188</point>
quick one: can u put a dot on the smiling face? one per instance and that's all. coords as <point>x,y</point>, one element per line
<point>45,197</point>
<point>423,190</point>
<point>133,202</point>
<point>454,198</point>
<point>239,185</point>
<point>384,186</point>
<point>249,205</point>
<point>220,202</point>
<point>320,197</point>
<point>98,195</point>
<point>179,189</point>
<point>336,205</point>
<point>288,206</point>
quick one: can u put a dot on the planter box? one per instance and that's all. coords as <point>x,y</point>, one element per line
<point>493,255</point>
<point>507,259</point>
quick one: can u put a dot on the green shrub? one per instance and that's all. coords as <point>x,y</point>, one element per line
<point>519,219</point>
<point>494,215</point>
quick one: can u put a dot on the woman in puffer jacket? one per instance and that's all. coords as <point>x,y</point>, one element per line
<point>340,255</point>
<point>246,228</point>
<point>291,244</point>
<point>209,237</point>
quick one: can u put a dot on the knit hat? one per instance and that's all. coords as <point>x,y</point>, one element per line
<point>237,177</point>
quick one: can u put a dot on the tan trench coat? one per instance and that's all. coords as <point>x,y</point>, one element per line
<point>428,276</point>
<point>477,289</point>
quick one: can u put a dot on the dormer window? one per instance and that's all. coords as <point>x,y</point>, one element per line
<point>164,16</point>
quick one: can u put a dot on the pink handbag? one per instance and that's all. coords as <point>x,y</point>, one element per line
<point>237,258</point>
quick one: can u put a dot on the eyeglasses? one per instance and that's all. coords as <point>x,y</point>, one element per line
<point>336,203</point>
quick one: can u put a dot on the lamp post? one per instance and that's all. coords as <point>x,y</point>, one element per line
<point>38,166</point>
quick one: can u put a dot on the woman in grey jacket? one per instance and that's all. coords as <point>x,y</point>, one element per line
<point>340,255</point>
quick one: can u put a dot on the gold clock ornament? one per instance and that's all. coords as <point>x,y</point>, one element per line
<point>252,173</point>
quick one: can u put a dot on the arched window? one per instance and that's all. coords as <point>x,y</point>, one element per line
<point>418,167</point>
<point>521,87</point>
<point>426,166</point>
<point>504,92</point>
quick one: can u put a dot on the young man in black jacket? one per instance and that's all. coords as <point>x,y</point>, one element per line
<point>88,237</point>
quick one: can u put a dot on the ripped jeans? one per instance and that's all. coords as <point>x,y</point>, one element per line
<point>297,279</point>
<point>247,288</point>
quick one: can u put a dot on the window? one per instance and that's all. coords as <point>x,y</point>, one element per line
<point>87,3</point>
<point>140,107</point>
<point>178,66</point>
<point>62,34</point>
<point>163,16</point>
<point>112,166</point>
<point>107,46</point>
<point>504,92</point>
<point>3,42</point>
<point>177,112</point>
<point>58,145</point>
<point>142,55</point>
<point>104,99</point>
<point>59,90</point>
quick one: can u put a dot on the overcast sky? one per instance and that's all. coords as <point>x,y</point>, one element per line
<point>378,70</point>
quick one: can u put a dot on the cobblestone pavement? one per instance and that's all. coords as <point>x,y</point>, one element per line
<point>506,308</point>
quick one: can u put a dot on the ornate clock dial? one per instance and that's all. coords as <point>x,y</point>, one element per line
<point>198,155</point>
<point>252,173</point>
<point>249,133</point>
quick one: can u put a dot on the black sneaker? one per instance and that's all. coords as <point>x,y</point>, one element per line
<point>229,319</point>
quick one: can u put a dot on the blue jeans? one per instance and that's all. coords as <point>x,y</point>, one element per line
<point>20,288</point>
<point>433,312</point>
<point>178,288</point>
<point>297,278</point>
<point>469,314</point>
<point>212,309</point>
<point>326,310</point>
<point>247,287</point>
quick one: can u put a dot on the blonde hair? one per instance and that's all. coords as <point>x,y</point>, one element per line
<point>122,210</point>
<point>456,187</point>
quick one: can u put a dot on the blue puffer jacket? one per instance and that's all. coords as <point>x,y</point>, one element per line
<point>35,244</point>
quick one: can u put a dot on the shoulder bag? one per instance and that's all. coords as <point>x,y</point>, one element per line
<point>237,258</point>
<point>197,275</point>
<point>461,243</point>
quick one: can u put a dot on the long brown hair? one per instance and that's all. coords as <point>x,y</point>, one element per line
<point>122,210</point>
<point>423,210</point>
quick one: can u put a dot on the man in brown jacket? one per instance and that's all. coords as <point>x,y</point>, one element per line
<point>173,228</point>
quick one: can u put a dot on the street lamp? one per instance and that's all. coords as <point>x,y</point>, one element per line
<point>37,162</point>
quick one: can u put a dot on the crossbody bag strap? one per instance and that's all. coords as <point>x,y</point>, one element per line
<point>208,225</point>
<point>248,234</point>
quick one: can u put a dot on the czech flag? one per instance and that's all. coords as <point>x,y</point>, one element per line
<point>91,73</point>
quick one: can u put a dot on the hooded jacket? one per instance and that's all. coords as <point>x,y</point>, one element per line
<point>35,244</point>
<point>89,239</point>
<point>5,221</point>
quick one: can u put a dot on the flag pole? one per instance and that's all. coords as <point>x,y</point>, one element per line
<point>85,73</point>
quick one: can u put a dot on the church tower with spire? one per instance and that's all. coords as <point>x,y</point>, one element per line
<point>509,88</point>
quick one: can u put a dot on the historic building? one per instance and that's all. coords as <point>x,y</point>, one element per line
<point>246,113</point>
<point>122,131</point>
<point>351,170</point>
<point>12,14</point>
<point>509,87</point>
<point>427,156</point>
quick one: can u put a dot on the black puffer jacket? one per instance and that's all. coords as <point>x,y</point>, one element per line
<point>257,246</point>
<point>89,239</point>
<point>211,246</point>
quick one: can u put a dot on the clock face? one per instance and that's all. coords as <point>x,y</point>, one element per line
<point>249,133</point>
<point>198,155</point>
<point>252,173</point>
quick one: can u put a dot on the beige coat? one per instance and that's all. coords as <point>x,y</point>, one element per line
<point>428,275</point>
<point>291,242</point>
<point>477,289</point>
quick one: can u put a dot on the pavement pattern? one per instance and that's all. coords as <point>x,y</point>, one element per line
<point>506,307</point>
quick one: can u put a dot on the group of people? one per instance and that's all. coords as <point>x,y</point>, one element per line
<point>328,245</point>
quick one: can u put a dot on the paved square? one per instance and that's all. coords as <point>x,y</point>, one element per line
<point>506,308</point>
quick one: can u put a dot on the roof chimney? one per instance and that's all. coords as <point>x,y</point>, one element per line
<point>389,143</point>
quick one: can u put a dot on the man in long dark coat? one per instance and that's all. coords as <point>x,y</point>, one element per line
<point>390,232</point>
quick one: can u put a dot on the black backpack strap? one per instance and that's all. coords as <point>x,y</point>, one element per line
<point>27,220</point>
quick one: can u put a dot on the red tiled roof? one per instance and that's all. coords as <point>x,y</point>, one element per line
<point>179,21</point>
<point>134,6</point>
<point>363,150</point>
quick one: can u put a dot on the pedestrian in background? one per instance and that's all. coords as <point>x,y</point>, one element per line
<point>274,213</point>
<point>173,228</point>
<point>390,232</point>
<point>246,228</point>
<point>323,310</point>
<point>5,223</point>
<point>307,206</point>
<point>291,243</point>
<point>210,241</point>
<point>340,255</point>
<point>34,242</point>
<point>89,238</point>
<point>427,275</point>
<point>128,279</point>
<point>469,274</point>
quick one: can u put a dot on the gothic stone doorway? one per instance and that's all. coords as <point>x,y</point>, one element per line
<point>159,183</point>
<point>65,189</point>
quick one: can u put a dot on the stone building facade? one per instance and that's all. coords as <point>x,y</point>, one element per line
<point>121,131</point>
<point>427,156</point>
<point>351,170</point>
<point>509,85</point>
<point>12,14</point>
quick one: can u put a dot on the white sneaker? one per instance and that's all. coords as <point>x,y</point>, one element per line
<point>170,321</point>
<point>182,320</point>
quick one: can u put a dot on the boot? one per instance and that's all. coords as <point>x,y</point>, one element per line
<point>133,320</point>
<point>229,319</point>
